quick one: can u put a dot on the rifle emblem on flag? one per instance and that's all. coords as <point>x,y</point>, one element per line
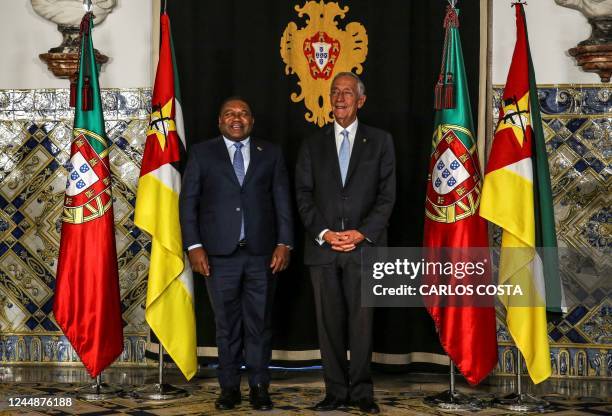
<point>161,122</point>
<point>515,115</point>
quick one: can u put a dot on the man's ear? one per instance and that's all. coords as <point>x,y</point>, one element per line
<point>361,101</point>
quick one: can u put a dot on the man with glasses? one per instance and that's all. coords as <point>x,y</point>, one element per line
<point>345,189</point>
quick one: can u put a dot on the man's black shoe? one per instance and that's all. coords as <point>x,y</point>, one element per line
<point>228,399</point>
<point>368,406</point>
<point>330,403</point>
<point>259,398</point>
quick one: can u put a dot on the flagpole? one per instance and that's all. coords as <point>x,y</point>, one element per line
<point>161,364</point>
<point>519,363</point>
<point>160,390</point>
<point>519,401</point>
<point>98,391</point>
<point>452,379</point>
<point>452,399</point>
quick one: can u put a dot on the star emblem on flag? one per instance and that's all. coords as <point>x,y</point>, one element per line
<point>161,123</point>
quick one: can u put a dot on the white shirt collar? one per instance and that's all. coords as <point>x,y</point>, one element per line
<point>229,143</point>
<point>352,129</point>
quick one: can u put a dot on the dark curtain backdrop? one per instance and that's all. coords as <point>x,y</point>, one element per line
<point>231,47</point>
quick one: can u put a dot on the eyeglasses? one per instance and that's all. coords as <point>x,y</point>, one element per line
<point>345,93</point>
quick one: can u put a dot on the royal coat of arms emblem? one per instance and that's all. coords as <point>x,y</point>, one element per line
<point>88,186</point>
<point>453,186</point>
<point>318,51</point>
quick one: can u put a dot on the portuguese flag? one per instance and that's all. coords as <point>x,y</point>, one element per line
<point>87,305</point>
<point>467,333</point>
<point>170,306</point>
<point>517,197</point>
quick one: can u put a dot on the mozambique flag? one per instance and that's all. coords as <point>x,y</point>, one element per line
<point>517,197</point>
<point>467,333</point>
<point>87,304</point>
<point>170,307</point>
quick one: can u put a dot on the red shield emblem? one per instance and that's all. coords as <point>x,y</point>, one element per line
<point>322,52</point>
<point>88,194</point>
<point>453,172</point>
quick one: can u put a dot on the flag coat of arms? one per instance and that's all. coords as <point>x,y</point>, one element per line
<point>517,197</point>
<point>467,333</point>
<point>170,306</point>
<point>87,303</point>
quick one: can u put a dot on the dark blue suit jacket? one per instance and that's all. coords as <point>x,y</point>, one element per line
<point>212,201</point>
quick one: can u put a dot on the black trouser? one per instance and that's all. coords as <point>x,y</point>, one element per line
<point>340,318</point>
<point>241,290</point>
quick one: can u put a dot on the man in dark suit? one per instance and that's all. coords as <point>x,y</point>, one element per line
<point>237,226</point>
<point>345,187</point>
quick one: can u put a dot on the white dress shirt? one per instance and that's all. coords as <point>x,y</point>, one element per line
<point>352,130</point>
<point>246,151</point>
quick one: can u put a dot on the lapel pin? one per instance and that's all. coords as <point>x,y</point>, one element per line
<point>259,148</point>
<point>365,140</point>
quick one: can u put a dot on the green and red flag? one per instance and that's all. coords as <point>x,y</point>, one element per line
<point>170,301</point>
<point>467,333</point>
<point>87,305</point>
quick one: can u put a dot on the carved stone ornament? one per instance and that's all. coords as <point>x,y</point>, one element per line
<point>595,53</point>
<point>63,60</point>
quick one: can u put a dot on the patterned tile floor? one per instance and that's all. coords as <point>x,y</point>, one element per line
<point>292,393</point>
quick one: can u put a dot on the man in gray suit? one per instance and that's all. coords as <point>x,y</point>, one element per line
<point>345,188</point>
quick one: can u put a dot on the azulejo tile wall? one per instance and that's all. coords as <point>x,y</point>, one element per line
<point>578,134</point>
<point>35,134</point>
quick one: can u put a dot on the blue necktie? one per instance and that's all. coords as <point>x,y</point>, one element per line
<point>343,155</point>
<point>239,162</point>
<point>239,170</point>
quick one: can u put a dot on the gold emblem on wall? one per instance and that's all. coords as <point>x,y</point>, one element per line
<point>320,50</point>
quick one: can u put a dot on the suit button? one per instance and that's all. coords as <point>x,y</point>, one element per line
<point>344,197</point>
<point>237,209</point>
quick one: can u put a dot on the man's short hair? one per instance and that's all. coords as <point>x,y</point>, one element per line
<point>360,85</point>
<point>234,98</point>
